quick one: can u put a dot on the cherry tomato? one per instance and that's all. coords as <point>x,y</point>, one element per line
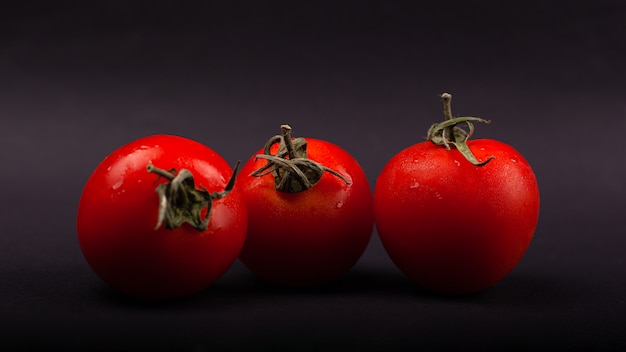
<point>304,231</point>
<point>456,220</point>
<point>157,219</point>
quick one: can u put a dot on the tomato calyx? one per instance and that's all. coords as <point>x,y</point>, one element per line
<point>181,201</point>
<point>449,132</point>
<point>293,171</point>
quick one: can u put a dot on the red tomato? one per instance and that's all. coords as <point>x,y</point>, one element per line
<point>452,226</point>
<point>312,236</point>
<point>134,250</point>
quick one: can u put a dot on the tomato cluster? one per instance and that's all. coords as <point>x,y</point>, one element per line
<point>164,217</point>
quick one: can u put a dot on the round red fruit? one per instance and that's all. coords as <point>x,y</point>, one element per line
<point>456,216</point>
<point>310,211</point>
<point>158,218</point>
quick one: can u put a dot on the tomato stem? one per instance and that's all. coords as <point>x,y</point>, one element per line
<point>447,106</point>
<point>449,132</point>
<point>181,201</point>
<point>286,129</point>
<point>168,174</point>
<point>293,171</point>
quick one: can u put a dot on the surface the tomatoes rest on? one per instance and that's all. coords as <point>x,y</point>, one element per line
<point>119,210</point>
<point>452,225</point>
<point>310,236</point>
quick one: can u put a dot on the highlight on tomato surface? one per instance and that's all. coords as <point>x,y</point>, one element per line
<point>159,218</point>
<point>456,215</point>
<point>310,211</point>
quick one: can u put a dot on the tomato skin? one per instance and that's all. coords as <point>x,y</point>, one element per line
<point>118,212</point>
<point>310,237</point>
<point>453,227</point>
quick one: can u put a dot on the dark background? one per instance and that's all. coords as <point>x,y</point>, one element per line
<point>79,80</point>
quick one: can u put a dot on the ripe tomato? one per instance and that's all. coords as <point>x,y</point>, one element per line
<point>304,231</point>
<point>451,224</point>
<point>144,231</point>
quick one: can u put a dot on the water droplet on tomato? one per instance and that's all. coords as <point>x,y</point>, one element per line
<point>339,205</point>
<point>118,184</point>
<point>457,163</point>
<point>513,160</point>
<point>415,184</point>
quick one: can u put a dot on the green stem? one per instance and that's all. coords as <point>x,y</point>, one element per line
<point>286,129</point>
<point>447,116</point>
<point>449,132</point>
<point>181,201</point>
<point>170,175</point>
<point>447,106</point>
<point>293,171</point>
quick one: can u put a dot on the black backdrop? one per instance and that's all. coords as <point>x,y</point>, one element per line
<point>79,80</point>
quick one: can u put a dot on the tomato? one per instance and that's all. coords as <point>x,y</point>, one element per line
<point>304,232</point>
<point>456,220</point>
<point>143,230</point>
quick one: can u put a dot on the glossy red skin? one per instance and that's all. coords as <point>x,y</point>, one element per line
<point>117,215</point>
<point>453,227</point>
<point>311,237</point>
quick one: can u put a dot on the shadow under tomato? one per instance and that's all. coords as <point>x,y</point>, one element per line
<point>357,281</point>
<point>532,289</point>
<point>244,287</point>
